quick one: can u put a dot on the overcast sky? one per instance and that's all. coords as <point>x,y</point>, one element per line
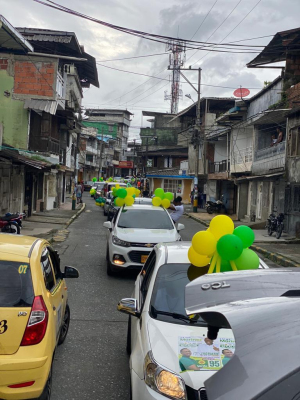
<point>168,17</point>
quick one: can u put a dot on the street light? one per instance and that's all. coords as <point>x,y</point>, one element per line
<point>189,97</point>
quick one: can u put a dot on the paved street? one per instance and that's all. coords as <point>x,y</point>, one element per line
<point>92,364</point>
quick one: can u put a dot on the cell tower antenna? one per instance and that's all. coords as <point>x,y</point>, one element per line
<point>176,60</point>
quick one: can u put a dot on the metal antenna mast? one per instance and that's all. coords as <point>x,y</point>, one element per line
<point>176,60</point>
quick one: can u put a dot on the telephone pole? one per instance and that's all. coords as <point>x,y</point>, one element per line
<point>101,151</point>
<point>198,136</point>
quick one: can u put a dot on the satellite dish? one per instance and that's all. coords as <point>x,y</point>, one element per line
<point>241,92</point>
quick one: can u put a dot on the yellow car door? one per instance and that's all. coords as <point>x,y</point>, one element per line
<point>54,288</point>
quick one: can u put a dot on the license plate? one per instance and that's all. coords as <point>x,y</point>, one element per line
<point>143,259</point>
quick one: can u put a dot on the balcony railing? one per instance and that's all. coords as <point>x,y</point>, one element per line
<point>216,167</point>
<point>44,144</point>
<point>91,150</point>
<point>271,151</point>
<point>60,90</point>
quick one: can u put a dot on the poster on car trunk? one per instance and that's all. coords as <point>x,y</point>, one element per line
<point>198,353</point>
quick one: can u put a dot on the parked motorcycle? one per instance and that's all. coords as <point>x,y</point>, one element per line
<point>275,224</point>
<point>12,223</point>
<point>216,206</point>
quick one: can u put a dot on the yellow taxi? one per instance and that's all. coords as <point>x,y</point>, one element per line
<point>34,315</point>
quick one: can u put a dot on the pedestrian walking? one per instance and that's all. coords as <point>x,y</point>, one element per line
<point>78,192</point>
<point>177,208</point>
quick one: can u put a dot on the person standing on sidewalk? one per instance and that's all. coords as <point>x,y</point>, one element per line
<point>177,208</point>
<point>78,192</point>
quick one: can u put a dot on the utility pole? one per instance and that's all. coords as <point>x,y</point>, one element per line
<point>101,151</point>
<point>199,136</point>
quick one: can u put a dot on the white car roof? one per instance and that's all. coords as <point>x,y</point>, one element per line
<point>144,207</point>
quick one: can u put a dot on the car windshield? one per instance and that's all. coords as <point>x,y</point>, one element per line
<point>167,301</point>
<point>16,288</point>
<point>100,185</point>
<point>144,219</point>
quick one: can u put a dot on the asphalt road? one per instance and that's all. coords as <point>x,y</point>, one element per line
<point>92,364</point>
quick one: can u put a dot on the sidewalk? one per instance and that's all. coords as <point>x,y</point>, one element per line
<point>51,225</point>
<point>284,251</point>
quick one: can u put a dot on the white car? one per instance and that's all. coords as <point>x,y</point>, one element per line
<point>160,333</point>
<point>133,232</point>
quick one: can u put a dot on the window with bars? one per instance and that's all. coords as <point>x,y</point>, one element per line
<point>172,185</point>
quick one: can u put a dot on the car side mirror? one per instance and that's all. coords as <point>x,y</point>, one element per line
<point>70,272</point>
<point>128,306</point>
<point>180,227</point>
<point>107,225</point>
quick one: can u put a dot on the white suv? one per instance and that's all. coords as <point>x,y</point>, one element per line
<point>132,234</point>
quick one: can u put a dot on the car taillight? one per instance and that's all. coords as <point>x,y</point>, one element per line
<point>21,385</point>
<point>37,323</point>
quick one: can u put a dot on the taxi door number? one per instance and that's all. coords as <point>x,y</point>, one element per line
<point>215,285</point>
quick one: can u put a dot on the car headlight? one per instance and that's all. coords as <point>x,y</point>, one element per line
<point>120,242</point>
<point>163,381</point>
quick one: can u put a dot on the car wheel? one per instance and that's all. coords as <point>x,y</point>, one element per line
<point>109,270</point>
<point>65,326</point>
<point>128,342</point>
<point>46,395</point>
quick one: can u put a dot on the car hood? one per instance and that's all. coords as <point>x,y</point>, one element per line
<point>166,339</point>
<point>146,235</point>
<point>266,360</point>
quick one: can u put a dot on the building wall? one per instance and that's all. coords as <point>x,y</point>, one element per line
<point>242,200</point>
<point>11,188</point>
<point>264,101</point>
<point>103,127</point>
<point>13,118</point>
<point>221,149</point>
<point>241,150</point>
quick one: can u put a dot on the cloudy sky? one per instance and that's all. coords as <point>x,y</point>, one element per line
<point>181,18</point>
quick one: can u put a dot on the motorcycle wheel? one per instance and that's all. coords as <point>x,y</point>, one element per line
<point>279,231</point>
<point>209,210</point>
<point>11,228</point>
<point>270,230</point>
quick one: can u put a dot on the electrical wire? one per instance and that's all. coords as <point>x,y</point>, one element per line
<point>202,22</point>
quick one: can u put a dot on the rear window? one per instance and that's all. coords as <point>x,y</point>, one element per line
<point>145,219</point>
<point>16,288</point>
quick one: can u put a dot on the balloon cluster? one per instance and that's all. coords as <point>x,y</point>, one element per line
<point>92,192</point>
<point>94,179</point>
<point>161,198</point>
<point>124,196</point>
<point>101,180</point>
<point>100,201</point>
<point>223,247</point>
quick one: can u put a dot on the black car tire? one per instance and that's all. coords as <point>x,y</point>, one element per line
<point>209,210</point>
<point>46,395</point>
<point>279,231</point>
<point>109,270</point>
<point>65,326</point>
<point>11,228</point>
<point>128,340</point>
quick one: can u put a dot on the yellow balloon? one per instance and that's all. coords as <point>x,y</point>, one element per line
<point>130,191</point>
<point>204,243</point>
<point>120,202</point>
<point>97,204</point>
<point>117,186</point>
<point>196,259</point>
<point>166,203</point>
<point>137,192</point>
<point>156,201</point>
<point>129,200</point>
<point>221,225</point>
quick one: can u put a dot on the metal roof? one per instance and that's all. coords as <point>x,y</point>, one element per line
<point>15,157</point>
<point>63,43</point>
<point>283,43</point>
<point>11,40</point>
<point>49,106</point>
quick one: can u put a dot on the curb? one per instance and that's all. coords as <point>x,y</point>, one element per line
<point>277,258</point>
<point>72,219</point>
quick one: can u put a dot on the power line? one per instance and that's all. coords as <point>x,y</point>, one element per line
<point>204,19</point>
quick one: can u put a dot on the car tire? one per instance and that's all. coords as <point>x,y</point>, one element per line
<point>109,270</point>
<point>46,394</point>
<point>65,326</point>
<point>128,340</point>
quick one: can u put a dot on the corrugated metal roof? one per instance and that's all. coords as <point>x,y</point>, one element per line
<point>282,43</point>
<point>11,39</point>
<point>49,106</point>
<point>17,158</point>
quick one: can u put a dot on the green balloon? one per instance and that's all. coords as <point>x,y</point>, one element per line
<point>121,193</point>
<point>246,235</point>
<point>134,196</point>
<point>247,260</point>
<point>229,247</point>
<point>159,193</point>
<point>169,196</point>
<point>225,266</point>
